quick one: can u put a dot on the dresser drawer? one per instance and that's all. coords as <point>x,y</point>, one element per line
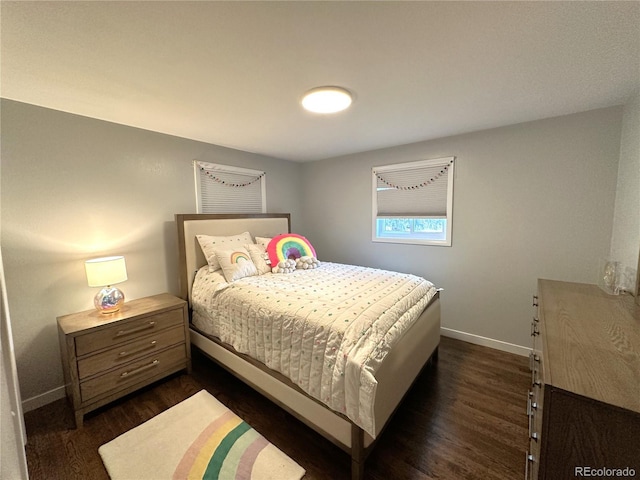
<point>126,331</point>
<point>534,416</point>
<point>127,352</point>
<point>534,412</point>
<point>533,463</point>
<point>133,372</point>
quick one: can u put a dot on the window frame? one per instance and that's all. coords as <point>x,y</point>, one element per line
<point>197,175</point>
<point>450,161</point>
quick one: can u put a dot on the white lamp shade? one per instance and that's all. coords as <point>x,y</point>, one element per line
<point>105,271</point>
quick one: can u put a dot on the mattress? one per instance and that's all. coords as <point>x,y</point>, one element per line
<point>327,329</point>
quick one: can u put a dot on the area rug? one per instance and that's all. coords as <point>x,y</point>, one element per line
<point>199,438</point>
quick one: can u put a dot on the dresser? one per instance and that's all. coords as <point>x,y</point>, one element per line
<point>108,356</point>
<point>584,402</point>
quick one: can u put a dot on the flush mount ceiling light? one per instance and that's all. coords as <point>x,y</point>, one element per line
<point>326,100</point>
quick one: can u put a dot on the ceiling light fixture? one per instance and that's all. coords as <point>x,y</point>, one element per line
<point>326,100</point>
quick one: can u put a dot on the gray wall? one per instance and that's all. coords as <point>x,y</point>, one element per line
<point>530,200</point>
<point>74,188</point>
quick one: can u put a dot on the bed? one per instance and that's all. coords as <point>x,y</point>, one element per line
<point>415,346</point>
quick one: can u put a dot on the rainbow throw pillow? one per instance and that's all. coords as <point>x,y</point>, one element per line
<point>289,246</point>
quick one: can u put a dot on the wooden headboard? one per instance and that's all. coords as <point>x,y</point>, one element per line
<point>190,256</point>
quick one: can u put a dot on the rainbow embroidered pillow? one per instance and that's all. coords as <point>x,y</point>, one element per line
<point>209,244</point>
<point>236,264</point>
<point>289,246</point>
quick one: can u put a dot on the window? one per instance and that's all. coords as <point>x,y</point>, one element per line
<point>412,202</point>
<point>226,189</point>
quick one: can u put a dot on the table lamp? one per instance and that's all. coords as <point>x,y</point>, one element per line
<point>105,272</point>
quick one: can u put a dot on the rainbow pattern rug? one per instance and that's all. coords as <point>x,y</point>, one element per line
<point>198,438</point>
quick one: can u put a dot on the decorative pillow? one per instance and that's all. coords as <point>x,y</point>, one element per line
<point>307,263</point>
<point>264,241</point>
<point>289,246</point>
<point>259,257</point>
<point>236,264</point>
<point>209,244</point>
<point>285,266</point>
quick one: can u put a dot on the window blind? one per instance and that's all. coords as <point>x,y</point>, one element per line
<point>226,189</point>
<point>417,190</point>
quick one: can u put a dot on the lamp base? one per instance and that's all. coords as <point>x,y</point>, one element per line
<point>109,300</point>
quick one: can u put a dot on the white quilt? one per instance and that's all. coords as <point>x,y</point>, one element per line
<point>327,329</point>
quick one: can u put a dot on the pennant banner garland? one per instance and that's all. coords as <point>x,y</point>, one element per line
<point>431,180</point>
<point>230,184</point>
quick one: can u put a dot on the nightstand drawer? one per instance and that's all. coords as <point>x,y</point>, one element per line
<point>132,373</point>
<point>126,331</point>
<point>127,352</point>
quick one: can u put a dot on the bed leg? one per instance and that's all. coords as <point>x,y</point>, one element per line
<point>357,453</point>
<point>434,356</point>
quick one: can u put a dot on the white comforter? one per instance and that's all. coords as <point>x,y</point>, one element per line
<point>326,329</point>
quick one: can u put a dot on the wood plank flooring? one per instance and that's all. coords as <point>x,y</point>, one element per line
<point>464,419</point>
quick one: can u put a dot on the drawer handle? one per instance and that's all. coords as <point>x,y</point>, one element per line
<point>137,329</point>
<point>535,380</point>
<point>140,369</point>
<point>125,353</point>
<point>534,329</point>
<point>535,300</point>
<point>533,359</point>
<point>536,319</point>
<point>534,436</point>
<point>530,459</point>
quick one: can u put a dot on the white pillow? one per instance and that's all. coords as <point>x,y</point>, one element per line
<point>259,257</point>
<point>236,263</point>
<point>209,244</point>
<point>264,241</point>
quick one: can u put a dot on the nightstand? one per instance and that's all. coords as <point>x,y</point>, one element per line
<point>108,356</point>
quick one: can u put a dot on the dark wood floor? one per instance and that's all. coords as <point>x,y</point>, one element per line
<point>463,419</point>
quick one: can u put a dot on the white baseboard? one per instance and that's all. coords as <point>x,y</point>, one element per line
<point>485,342</point>
<point>43,399</point>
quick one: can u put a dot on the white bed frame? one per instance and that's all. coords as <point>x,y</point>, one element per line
<point>417,348</point>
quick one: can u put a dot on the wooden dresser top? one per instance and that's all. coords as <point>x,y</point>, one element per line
<point>591,342</point>
<point>93,319</point>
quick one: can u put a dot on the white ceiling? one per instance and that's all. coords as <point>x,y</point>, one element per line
<point>232,73</point>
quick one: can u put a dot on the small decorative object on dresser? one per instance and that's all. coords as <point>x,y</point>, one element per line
<point>584,401</point>
<point>105,358</point>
